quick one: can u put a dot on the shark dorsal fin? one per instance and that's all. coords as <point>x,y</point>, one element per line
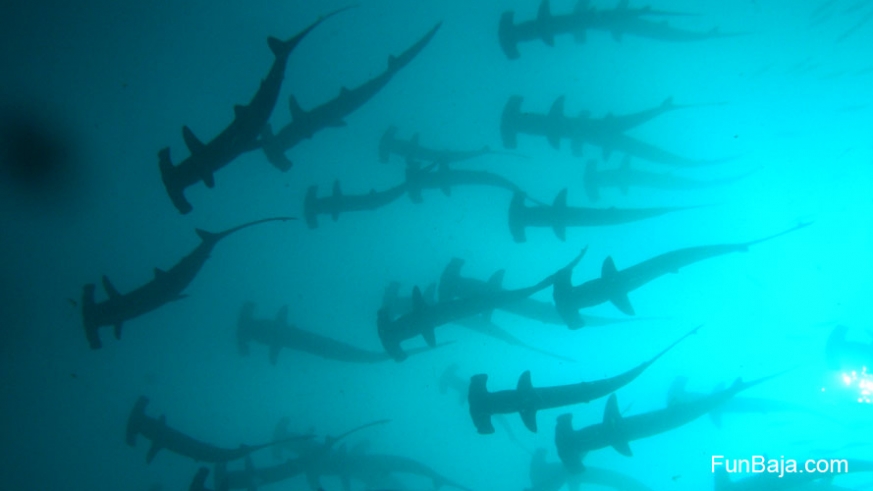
<point>191,141</point>
<point>608,269</point>
<point>274,353</point>
<point>159,273</point>
<point>297,112</point>
<point>111,291</point>
<point>528,411</point>
<point>557,109</point>
<point>344,91</point>
<point>495,282</point>
<point>337,191</point>
<point>282,316</point>
<point>612,419</point>
<point>117,329</point>
<point>561,199</point>
<point>417,300</point>
<point>239,111</point>
<point>429,293</point>
<point>581,6</point>
<point>544,14</point>
<point>626,163</point>
<point>392,62</point>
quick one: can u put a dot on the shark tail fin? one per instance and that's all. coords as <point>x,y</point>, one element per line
<point>385,143</point>
<point>516,222</point>
<point>243,323</point>
<point>509,122</point>
<point>310,207</point>
<point>135,419</point>
<point>506,34</point>
<point>477,398</point>
<point>591,180</point>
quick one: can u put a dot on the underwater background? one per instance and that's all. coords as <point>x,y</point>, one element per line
<point>101,86</point>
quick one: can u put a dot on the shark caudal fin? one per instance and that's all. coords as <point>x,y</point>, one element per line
<point>134,420</point>
<point>310,207</point>
<point>281,49</point>
<point>89,317</point>
<point>477,398</point>
<point>799,226</point>
<point>214,237</point>
<point>386,143</point>
<point>448,285</point>
<point>509,122</point>
<point>591,181</point>
<point>243,328</point>
<point>516,222</point>
<point>175,189</point>
<point>507,36</point>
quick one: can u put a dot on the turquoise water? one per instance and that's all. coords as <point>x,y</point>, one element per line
<point>788,102</point>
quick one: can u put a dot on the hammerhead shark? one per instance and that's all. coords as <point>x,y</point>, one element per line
<point>614,284</point>
<point>398,305</point>
<point>559,216</point>
<point>677,393</point>
<point>166,286</point>
<point>453,285</point>
<point>339,203</point>
<point>619,21</point>
<point>618,431</point>
<point>842,354</point>
<point>164,437</point>
<point>310,459</point>
<point>607,132</point>
<point>305,124</point>
<point>239,137</point>
<point>626,177</point>
<point>445,178</point>
<point>526,399</point>
<point>277,333</point>
<point>412,151</point>
<point>424,319</point>
<point>552,476</point>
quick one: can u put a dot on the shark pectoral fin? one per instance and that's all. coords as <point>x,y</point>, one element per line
<point>117,330</point>
<point>446,189</point>
<point>111,291</point>
<point>274,353</point>
<point>206,175</point>
<point>622,303</point>
<point>560,231</point>
<point>191,141</point>
<point>153,451</point>
<point>576,147</point>
<point>623,448</point>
